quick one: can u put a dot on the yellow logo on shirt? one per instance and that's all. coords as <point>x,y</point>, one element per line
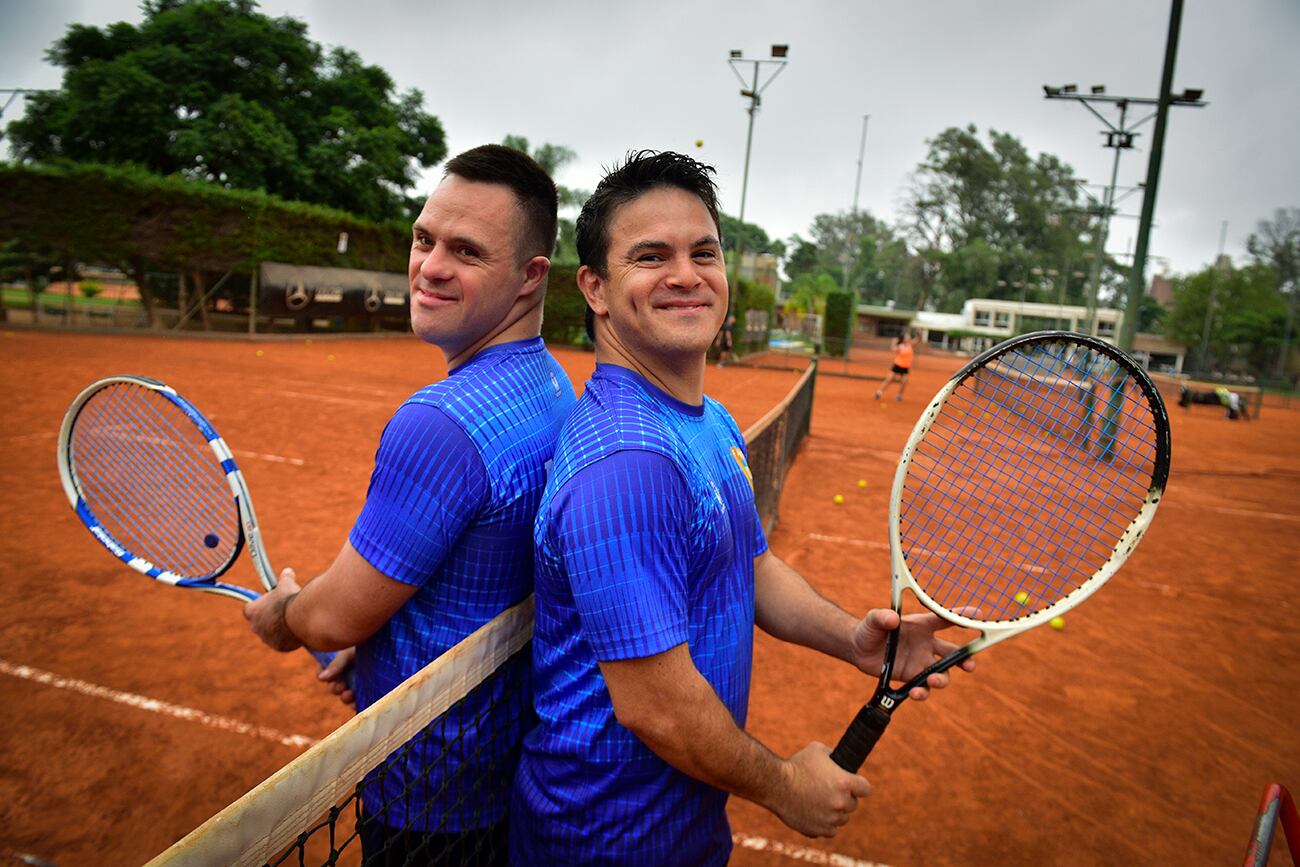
<point>744,467</point>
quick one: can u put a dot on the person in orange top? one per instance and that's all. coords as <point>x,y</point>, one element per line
<point>902,365</point>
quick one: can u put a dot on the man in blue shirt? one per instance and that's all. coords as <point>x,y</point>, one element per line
<point>443,543</point>
<point>652,569</point>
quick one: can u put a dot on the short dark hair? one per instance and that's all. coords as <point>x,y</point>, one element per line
<point>639,173</point>
<point>532,186</point>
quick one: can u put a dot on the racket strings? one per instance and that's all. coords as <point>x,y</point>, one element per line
<point>1026,480</point>
<point>147,473</point>
<point>132,477</point>
<point>168,489</point>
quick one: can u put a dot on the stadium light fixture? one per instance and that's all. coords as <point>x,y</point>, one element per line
<point>780,50</point>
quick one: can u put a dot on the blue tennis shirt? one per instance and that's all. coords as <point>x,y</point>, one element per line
<point>645,538</point>
<point>458,475</point>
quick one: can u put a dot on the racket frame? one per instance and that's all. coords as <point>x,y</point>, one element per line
<point>870,723</point>
<point>249,531</point>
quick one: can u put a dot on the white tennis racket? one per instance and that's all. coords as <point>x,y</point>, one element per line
<point>1025,485</point>
<point>154,482</point>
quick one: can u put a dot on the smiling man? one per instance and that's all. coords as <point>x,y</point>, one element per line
<point>652,569</point>
<point>444,543</point>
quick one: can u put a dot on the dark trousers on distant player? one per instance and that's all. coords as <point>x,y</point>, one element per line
<point>382,846</point>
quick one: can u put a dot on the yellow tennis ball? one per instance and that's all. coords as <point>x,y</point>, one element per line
<point>259,353</point>
<point>699,142</point>
<point>839,499</point>
<point>329,358</point>
<point>1022,597</point>
<point>862,483</point>
<point>1057,623</point>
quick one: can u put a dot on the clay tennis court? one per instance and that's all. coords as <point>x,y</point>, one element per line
<point>1145,731</point>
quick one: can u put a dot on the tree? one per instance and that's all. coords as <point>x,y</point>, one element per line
<point>1276,243</point>
<point>1016,212</point>
<point>552,158</point>
<point>216,91</point>
<point>1246,322</point>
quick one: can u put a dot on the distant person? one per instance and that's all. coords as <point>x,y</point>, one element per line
<point>1234,407</point>
<point>444,541</point>
<point>726,339</point>
<point>901,367</point>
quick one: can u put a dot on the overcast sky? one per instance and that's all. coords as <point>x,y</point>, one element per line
<point>602,77</point>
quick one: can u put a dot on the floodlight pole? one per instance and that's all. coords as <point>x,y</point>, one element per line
<point>1137,279</point>
<point>753,92</point>
<point>1120,138</point>
<point>851,256</point>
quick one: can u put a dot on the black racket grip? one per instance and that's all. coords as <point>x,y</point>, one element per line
<point>860,738</point>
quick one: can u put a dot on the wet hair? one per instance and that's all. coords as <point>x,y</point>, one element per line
<point>533,188</point>
<point>638,173</point>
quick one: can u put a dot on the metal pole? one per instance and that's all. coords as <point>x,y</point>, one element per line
<point>1099,254</point>
<point>1209,306</point>
<point>749,142</point>
<point>1137,281</point>
<point>851,255</point>
<point>252,299</point>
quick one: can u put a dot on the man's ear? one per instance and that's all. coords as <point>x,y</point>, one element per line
<point>535,271</point>
<point>592,287</point>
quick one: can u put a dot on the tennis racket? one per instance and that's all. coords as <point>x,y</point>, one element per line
<point>153,481</point>
<point>1025,485</point>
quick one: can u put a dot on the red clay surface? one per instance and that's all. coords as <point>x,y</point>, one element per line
<point>1144,732</point>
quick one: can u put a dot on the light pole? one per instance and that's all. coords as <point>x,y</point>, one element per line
<point>1120,138</point>
<point>851,256</point>
<point>752,90</point>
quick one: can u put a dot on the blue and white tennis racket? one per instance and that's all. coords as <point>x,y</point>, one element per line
<point>153,481</point>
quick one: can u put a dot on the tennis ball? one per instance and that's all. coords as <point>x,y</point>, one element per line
<point>329,358</point>
<point>1022,597</point>
<point>211,540</point>
<point>839,499</point>
<point>862,483</point>
<point>1057,623</point>
<point>259,353</point>
<point>699,142</point>
<point>307,341</point>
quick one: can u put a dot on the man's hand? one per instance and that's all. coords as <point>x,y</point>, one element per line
<point>918,646</point>
<point>332,675</point>
<point>266,615</point>
<point>819,795</point>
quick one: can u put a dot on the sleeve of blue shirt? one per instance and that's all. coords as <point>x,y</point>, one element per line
<point>428,484</point>
<point>622,531</point>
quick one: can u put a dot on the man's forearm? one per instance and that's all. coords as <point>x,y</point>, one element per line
<point>787,607</point>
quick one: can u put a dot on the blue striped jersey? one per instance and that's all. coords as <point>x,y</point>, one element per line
<point>458,475</point>
<point>645,539</point>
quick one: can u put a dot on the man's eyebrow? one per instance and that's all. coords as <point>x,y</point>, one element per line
<point>457,240</point>
<point>652,244</point>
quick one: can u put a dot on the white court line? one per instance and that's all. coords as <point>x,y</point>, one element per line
<point>1251,513</point>
<point>388,404</point>
<point>189,714</point>
<point>845,540</point>
<point>806,854</point>
<point>48,435</point>
<point>278,459</point>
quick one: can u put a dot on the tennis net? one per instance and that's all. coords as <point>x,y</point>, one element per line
<point>773,441</point>
<point>423,775</point>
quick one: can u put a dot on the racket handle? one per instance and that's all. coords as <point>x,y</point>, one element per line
<point>324,657</point>
<point>860,738</point>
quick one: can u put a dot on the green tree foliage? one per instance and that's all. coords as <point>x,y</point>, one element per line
<point>138,222</point>
<point>839,322</point>
<point>974,206</point>
<point>1246,322</point>
<point>554,157</point>
<point>749,236</point>
<point>217,91</point>
<point>1276,244</point>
